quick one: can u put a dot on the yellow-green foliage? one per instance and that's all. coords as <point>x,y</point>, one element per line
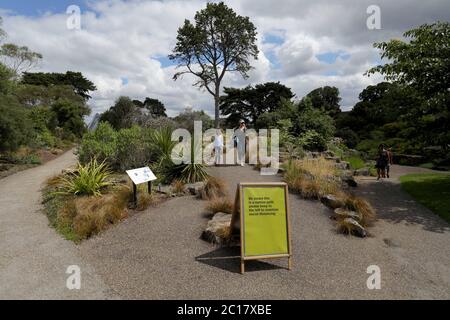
<point>87,179</point>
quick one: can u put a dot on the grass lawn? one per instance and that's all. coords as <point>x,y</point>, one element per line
<point>430,189</point>
<point>355,162</point>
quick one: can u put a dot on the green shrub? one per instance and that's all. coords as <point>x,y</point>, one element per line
<point>312,141</point>
<point>15,127</point>
<point>133,149</point>
<point>87,179</point>
<point>100,144</point>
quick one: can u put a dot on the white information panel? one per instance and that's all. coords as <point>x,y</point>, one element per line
<point>141,175</point>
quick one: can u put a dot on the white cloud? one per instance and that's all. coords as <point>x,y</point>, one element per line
<point>121,39</point>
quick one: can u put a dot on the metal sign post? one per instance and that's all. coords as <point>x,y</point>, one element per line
<point>139,176</point>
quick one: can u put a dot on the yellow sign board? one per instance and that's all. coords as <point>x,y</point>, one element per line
<point>264,221</point>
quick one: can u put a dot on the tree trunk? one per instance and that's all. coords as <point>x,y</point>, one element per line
<point>216,105</point>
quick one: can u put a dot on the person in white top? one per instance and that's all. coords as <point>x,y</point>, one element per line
<point>218,146</point>
<point>239,138</point>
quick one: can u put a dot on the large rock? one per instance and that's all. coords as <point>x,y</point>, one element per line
<point>195,188</point>
<point>218,228</point>
<point>356,229</point>
<point>332,202</point>
<point>342,165</point>
<point>350,181</point>
<point>342,213</point>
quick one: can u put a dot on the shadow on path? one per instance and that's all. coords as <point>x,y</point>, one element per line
<point>394,205</point>
<point>228,259</point>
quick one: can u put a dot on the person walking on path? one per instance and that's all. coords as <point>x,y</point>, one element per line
<point>239,142</point>
<point>382,161</point>
<point>218,147</point>
<point>390,161</point>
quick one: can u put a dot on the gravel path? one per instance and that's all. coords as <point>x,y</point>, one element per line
<point>158,254</point>
<point>33,258</point>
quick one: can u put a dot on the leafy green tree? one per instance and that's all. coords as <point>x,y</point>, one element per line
<point>155,107</point>
<point>312,119</point>
<point>15,127</point>
<point>326,98</point>
<point>70,116</point>
<point>251,102</point>
<point>186,119</point>
<point>81,85</point>
<point>219,41</point>
<point>423,63</point>
<point>19,59</point>
<point>122,115</point>
<point>6,76</point>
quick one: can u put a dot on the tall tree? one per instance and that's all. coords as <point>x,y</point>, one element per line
<point>327,99</point>
<point>423,63</point>
<point>19,59</point>
<point>251,102</point>
<point>155,107</point>
<point>81,85</point>
<point>219,41</point>
<point>122,115</point>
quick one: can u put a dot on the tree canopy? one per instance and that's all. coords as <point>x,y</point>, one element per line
<point>155,107</point>
<point>251,102</point>
<point>326,98</point>
<point>19,58</point>
<point>423,64</point>
<point>81,85</point>
<point>219,41</point>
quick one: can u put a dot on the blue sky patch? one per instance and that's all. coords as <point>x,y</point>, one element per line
<point>124,81</point>
<point>331,57</point>
<point>38,8</point>
<point>273,38</point>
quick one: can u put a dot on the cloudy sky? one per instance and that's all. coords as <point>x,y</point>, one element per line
<point>123,44</point>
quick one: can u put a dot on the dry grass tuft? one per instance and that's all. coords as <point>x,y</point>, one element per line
<point>94,214</point>
<point>224,233</point>
<point>146,200</point>
<point>214,188</point>
<point>53,181</point>
<point>178,186</point>
<point>363,207</point>
<point>311,178</point>
<point>319,168</point>
<point>220,205</point>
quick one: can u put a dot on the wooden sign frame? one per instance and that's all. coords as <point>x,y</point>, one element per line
<point>239,203</point>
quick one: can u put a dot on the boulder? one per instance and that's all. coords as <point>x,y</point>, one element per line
<point>166,189</point>
<point>332,202</point>
<point>356,229</point>
<point>332,158</point>
<point>365,172</point>
<point>350,181</point>
<point>195,188</point>
<point>342,213</point>
<point>218,228</point>
<point>342,165</point>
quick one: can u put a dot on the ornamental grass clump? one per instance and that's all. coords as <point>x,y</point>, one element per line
<point>89,179</point>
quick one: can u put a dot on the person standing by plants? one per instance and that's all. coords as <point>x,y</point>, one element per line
<point>382,161</point>
<point>218,146</point>
<point>239,142</point>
